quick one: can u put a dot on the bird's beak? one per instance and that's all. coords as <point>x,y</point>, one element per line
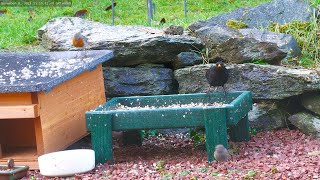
<point>219,65</point>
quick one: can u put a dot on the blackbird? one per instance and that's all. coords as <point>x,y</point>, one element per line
<point>217,75</point>
<point>221,153</point>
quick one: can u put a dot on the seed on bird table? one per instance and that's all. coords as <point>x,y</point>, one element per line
<point>215,104</point>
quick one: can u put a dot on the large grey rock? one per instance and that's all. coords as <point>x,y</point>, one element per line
<point>278,11</point>
<point>267,115</point>
<point>214,35</point>
<point>242,50</point>
<point>124,81</point>
<point>148,65</point>
<point>265,81</point>
<point>132,45</point>
<point>307,123</point>
<point>185,59</point>
<point>246,45</point>
<point>285,42</point>
<point>311,101</point>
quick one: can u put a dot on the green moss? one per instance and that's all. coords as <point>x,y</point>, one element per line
<point>284,28</point>
<point>260,61</point>
<point>307,36</point>
<point>234,24</point>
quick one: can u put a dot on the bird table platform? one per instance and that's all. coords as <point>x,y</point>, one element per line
<point>43,99</point>
<point>214,111</point>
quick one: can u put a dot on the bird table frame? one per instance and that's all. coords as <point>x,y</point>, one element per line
<point>43,99</point>
<point>107,118</point>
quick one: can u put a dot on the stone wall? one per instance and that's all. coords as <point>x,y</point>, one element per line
<point>150,61</point>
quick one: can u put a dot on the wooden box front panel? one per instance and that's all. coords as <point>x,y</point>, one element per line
<point>62,110</point>
<point>15,132</point>
<point>15,99</point>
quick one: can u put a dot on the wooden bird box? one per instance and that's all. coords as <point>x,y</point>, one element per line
<point>43,98</point>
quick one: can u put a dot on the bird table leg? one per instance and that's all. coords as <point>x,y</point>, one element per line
<point>216,130</point>
<point>101,138</point>
<point>240,131</point>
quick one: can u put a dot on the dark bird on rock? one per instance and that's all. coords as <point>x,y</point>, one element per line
<point>221,153</point>
<point>217,75</point>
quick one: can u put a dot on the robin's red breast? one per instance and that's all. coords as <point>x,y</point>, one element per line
<point>78,40</point>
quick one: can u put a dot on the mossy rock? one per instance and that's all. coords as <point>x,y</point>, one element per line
<point>234,24</point>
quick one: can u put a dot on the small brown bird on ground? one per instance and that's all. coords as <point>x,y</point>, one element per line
<point>162,21</point>
<point>10,163</point>
<point>217,75</point>
<point>221,153</point>
<point>80,41</point>
<point>110,7</point>
<point>32,14</point>
<point>30,18</point>
<point>81,13</point>
<point>3,11</point>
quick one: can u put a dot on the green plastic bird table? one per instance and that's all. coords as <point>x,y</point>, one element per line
<point>213,111</point>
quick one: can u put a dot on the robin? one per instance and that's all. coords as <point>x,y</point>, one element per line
<point>80,41</point>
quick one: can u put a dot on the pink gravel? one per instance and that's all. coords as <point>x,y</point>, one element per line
<point>281,154</point>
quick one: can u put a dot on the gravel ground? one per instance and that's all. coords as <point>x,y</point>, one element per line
<point>281,154</point>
